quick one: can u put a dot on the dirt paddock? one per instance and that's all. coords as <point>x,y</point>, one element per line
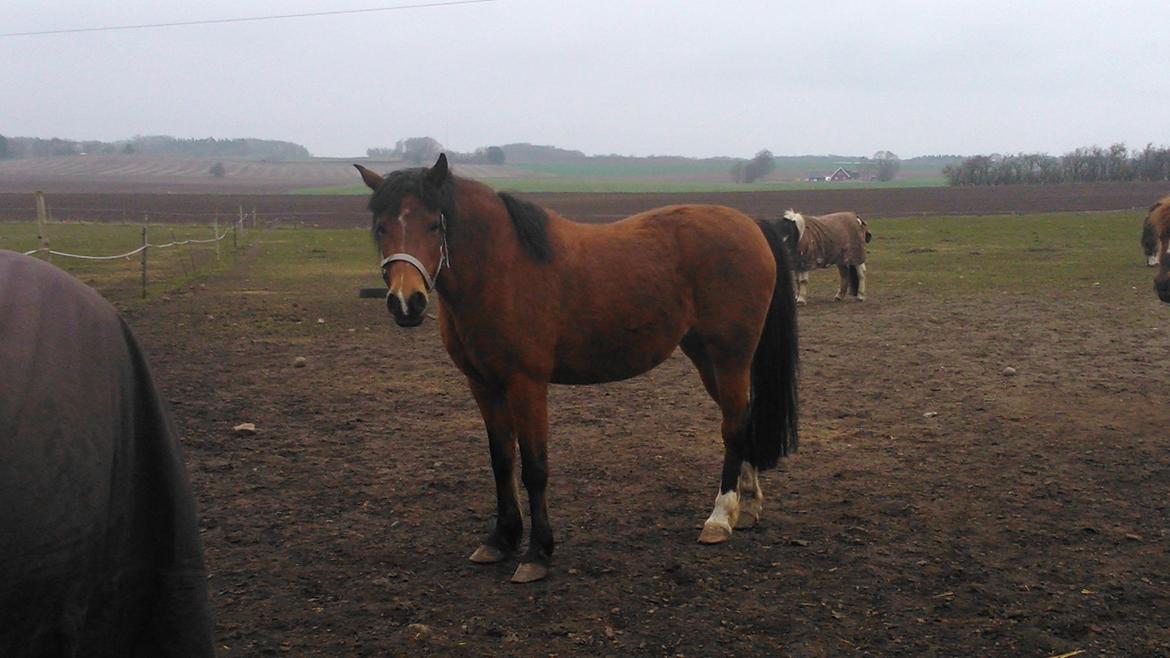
<point>937,506</point>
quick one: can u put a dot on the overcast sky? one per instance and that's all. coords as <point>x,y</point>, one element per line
<point>635,77</point>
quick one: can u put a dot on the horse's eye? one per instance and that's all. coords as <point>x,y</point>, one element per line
<point>379,231</point>
<point>433,228</point>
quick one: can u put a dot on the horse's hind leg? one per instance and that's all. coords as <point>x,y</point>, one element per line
<point>843,288</point>
<point>861,282</point>
<point>693,347</point>
<point>747,492</point>
<point>504,539</point>
<point>528,402</point>
<point>751,496</point>
<point>802,287</point>
<point>724,517</point>
<point>733,384</point>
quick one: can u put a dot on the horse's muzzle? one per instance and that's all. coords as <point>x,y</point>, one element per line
<point>410,315</point>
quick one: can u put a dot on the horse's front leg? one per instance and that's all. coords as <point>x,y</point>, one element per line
<point>801,287</point>
<point>504,539</point>
<point>528,402</point>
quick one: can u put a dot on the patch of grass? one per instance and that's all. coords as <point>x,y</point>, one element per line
<point>120,280</point>
<point>1010,254</point>
<point>1034,254</point>
<point>1017,254</point>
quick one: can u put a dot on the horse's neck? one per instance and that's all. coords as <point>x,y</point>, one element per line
<point>479,252</point>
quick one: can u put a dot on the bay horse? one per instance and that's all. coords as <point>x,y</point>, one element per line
<point>529,299</point>
<point>1159,219</point>
<point>1149,240</point>
<point>820,241</point>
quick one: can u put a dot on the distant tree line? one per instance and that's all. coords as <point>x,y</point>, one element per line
<point>424,150</point>
<point>209,147</point>
<point>1083,165</point>
<point>753,170</point>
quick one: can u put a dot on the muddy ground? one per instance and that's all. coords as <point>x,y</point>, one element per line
<point>936,507</point>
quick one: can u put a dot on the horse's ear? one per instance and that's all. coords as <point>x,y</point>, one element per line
<point>437,175</point>
<point>372,180</point>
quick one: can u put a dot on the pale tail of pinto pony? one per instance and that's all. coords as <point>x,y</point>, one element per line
<point>773,408</point>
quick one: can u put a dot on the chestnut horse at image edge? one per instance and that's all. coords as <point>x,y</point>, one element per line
<point>529,298</point>
<point>1159,221</point>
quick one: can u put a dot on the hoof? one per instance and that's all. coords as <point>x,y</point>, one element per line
<point>837,298</point>
<point>529,572</point>
<point>800,301</point>
<point>489,555</point>
<point>714,534</point>
<point>746,520</point>
<point>861,298</point>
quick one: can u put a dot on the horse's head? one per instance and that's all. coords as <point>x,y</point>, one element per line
<point>411,208</point>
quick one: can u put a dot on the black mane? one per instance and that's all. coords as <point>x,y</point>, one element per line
<point>531,224</point>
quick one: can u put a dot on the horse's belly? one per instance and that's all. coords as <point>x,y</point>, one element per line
<point>597,358</point>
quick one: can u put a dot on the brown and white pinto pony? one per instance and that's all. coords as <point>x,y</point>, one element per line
<point>1159,219</point>
<point>820,241</point>
<point>529,298</point>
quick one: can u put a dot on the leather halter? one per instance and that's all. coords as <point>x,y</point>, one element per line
<point>428,279</point>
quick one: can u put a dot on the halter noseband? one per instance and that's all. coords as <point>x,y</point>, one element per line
<point>428,279</point>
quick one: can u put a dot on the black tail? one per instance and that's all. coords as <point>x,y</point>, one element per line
<point>854,280</point>
<point>773,410</point>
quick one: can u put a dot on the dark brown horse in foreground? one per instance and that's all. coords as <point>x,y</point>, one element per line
<point>529,299</point>
<point>1159,219</point>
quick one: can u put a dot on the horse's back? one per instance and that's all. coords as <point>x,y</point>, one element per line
<point>701,245</point>
<point>99,542</point>
<point>632,289</point>
<point>833,239</point>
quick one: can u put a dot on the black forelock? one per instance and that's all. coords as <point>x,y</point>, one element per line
<point>413,182</point>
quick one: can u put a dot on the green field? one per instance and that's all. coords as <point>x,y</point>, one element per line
<point>948,255</point>
<point>120,280</point>
<point>613,174</point>
<point>1009,254</point>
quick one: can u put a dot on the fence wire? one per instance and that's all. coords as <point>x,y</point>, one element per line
<point>177,243</point>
